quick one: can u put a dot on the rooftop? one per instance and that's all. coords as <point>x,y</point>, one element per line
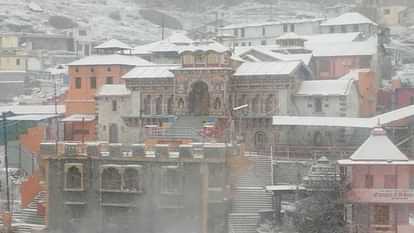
<point>205,46</point>
<point>33,109</point>
<point>378,147</point>
<point>291,36</point>
<point>113,44</point>
<point>347,19</point>
<point>113,59</point>
<point>80,118</point>
<point>355,48</point>
<point>113,90</point>
<point>267,68</point>
<point>261,24</point>
<point>276,56</point>
<point>157,71</point>
<point>325,88</point>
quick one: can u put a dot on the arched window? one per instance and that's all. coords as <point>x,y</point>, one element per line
<point>132,179</point>
<point>111,179</point>
<point>147,105</point>
<point>170,106</point>
<point>269,104</point>
<point>256,104</point>
<point>260,140</point>
<point>158,105</point>
<point>180,103</point>
<point>74,178</point>
<point>217,104</point>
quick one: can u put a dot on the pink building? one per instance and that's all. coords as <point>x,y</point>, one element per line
<point>379,181</point>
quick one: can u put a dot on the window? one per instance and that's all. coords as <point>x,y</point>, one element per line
<point>78,83</point>
<point>369,181</point>
<point>108,69</point>
<point>158,105</point>
<point>172,180</point>
<point>18,62</point>
<point>114,105</point>
<point>250,43</point>
<point>73,177</point>
<point>382,215</point>
<point>111,179</point>
<point>147,104</point>
<point>132,181</point>
<point>82,33</point>
<point>170,106</point>
<point>77,69</point>
<point>356,28</point>
<point>387,11</point>
<point>243,44</point>
<point>236,32</point>
<point>242,34</point>
<point>109,80</point>
<point>390,181</point>
<point>199,59</point>
<point>92,69</point>
<point>318,105</point>
<point>92,81</point>
<point>269,104</point>
<point>263,31</point>
<point>292,27</point>
<point>332,29</point>
<point>411,178</point>
<point>324,65</point>
<point>260,140</point>
<point>343,28</point>
<point>217,104</point>
<point>285,28</point>
<point>263,42</point>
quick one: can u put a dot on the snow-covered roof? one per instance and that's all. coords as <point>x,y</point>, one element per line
<point>382,119</point>
<point>378,147</point>
<point>355,48</point>
<point>173,43</point>
<point>325,88</point>
<point>157,71</point>
<point>270,23</point>
<point>304,57</point>
<point>80,118</point>
<point>267,68</point>
<point>332,38</point>
<point>113,44</point>
<point>290,36</point>
<point>33,109</point>
<point>31,117</point>
<point>179,38</point>
<point>347,19</point>
<point>112,59</point>
<point>205,46</point>
<point>113,90</point>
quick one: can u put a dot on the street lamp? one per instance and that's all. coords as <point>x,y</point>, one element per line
<point>238,108</point>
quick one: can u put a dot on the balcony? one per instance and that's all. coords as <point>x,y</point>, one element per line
<point>381,195</point>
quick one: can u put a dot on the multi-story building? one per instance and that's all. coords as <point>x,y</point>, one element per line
<point>266,33</point>
<point>349,22</point>
<point>378,187</point>
<point>86,76</point>
<point>112,188</point>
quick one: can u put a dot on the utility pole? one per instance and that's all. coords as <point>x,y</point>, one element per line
<point>162,27</point>
<point>6,162</point>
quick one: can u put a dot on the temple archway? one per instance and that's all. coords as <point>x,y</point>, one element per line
<point>199,99</point>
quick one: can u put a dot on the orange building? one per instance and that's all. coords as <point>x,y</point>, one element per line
<point>368,88</point>
<point>86,76</point>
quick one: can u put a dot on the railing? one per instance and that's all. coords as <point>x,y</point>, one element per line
<point>157,132</point>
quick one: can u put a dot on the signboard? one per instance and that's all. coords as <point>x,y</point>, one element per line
<point>381,195</point>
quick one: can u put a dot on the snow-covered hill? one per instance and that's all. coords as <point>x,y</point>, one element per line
<point>33,15</point>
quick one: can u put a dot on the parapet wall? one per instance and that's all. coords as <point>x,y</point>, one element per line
<point>196,151</point>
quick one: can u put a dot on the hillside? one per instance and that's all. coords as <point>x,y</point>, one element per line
<point>121,19</point>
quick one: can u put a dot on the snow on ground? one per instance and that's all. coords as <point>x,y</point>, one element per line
<point>132,28</point>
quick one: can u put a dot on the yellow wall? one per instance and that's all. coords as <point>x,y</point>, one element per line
<point>392,17</point>
<point>11,63</point>
<point>9,42</point>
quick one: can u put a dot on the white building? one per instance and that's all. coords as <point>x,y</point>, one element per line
<point>114,102</point>
<point>265,33</point>
<point>349,22</point>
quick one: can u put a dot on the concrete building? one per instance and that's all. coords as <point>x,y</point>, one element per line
<point>107,188</point>
<point>265,33</point>
<point>379,181</point>
<point>86,76</point>
<point>349,22</point>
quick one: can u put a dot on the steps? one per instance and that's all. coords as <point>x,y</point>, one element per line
<point>27,220</point>
<point>249,195</point>
<point>192,124</point>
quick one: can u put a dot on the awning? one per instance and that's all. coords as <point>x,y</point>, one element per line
<point>80,118</point>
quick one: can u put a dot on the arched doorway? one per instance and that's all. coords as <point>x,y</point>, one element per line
<point>199,99</point>
<point>113,133</point>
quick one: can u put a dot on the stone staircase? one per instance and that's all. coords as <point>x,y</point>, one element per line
<point>249,195</point>
<point>191,124</point>
<point>27,220</point>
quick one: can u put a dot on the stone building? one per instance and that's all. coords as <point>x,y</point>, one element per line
<point>117,188</point>
<point>205,87</point>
